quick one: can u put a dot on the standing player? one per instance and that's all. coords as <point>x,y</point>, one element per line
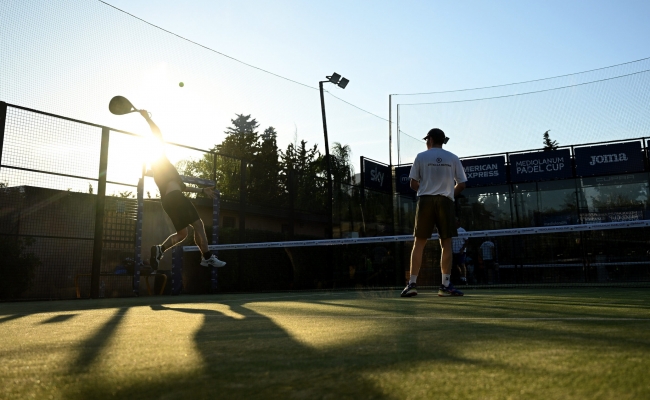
<point>438,176</point>
<point>178,207</point>
<point>459,250</point>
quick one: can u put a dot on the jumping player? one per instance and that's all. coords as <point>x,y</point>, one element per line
<point>178,207</point>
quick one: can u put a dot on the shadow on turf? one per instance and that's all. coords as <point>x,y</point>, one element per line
<point>250,357</point>
<point>253,357</point>
<point>11,317</point>
<point>92,347</point>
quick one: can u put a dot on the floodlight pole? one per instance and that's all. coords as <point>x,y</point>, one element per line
<point>329,165</point>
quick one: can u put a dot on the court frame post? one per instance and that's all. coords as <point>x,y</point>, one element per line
<point>100,206</point>
<point>3,122</point>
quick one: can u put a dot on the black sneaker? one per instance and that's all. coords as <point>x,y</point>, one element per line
<point>156,255</point>
<point>410,290</point>
<point>450,290</point>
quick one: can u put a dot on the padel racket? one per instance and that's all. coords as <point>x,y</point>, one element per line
<point>120,105</point>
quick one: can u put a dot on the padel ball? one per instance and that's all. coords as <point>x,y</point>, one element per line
<point>181,84</point>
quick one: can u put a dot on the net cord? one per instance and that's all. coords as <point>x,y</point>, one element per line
<point>409,238</point>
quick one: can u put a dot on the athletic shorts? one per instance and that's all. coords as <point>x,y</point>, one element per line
<point>179,209</point>
<point>435,212</point>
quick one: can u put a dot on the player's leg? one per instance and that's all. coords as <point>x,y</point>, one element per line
<point>446,217</point>
<point>424,224</point>
<point>201,240</point>
<point>158,250</point>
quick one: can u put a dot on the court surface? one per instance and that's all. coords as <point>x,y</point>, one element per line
<point>581,343</point>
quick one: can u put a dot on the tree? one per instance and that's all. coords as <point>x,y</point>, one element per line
<point>548,143</point>
<point>264,174</point>
<point>309,185</point>
<point>342,168</point>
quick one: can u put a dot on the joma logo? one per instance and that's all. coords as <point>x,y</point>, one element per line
<point>608,158</point>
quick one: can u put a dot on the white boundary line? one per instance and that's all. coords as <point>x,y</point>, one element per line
<point>409,238</point>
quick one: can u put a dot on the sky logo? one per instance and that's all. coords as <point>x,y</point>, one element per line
<point>376,176</point>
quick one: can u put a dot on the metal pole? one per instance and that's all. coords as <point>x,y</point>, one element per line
<point>329,164</point>
<point>399,152</point>
<point>242,200</point>
<point>3,120</point>
<point>99,216</point>
<point>390,130</point>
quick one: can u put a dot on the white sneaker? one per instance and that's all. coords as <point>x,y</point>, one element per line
<point>212,262</point>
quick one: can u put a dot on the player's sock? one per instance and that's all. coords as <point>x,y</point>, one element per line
<point>207,255</point>
<point>445,279</point>
<point>413,278</point>
<point>163,248</point>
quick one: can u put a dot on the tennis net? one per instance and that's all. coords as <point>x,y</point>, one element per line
<point>600,253</point>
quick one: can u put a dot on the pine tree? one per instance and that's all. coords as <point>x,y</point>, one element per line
<point>548,143</point>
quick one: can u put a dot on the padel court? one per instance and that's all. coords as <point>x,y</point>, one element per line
<point>560,343</point>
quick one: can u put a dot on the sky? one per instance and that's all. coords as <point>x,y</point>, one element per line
<point>69,57</point>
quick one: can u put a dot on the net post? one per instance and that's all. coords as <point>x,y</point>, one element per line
<point>138,236</point>
<point>292,192</point>
<point>3,120</point>
<point>242,199</point>
<point>99,215</point>
<point>177,270</point>
<point>216,204</point>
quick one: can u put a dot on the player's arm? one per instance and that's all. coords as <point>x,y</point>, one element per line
<point>458,188</point>
<point>414,175</point>
<point>154,128</point>
<point>206,190</point>
<point>459,177</point>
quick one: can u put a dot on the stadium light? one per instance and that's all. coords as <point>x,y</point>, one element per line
<point>342,83</point>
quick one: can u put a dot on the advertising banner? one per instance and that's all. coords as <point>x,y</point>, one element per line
<point>402,181</point>
<point>609,159</point>
<point>485,171</point>
<point>376,176</point>
<point>540,166</point>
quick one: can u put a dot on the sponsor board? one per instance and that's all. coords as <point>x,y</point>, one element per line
<point>485,171</point>
<point>376,176</point>
<point>609,159</point>
<point>539,166</point>
<point>402,181</point>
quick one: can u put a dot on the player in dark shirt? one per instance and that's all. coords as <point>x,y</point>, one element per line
<point>178,207</point>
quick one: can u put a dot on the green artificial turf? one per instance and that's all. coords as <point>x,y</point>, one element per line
<point>491,344</point>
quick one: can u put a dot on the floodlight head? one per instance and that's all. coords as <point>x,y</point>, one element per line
<point>334,78</point>
<point>343,83</point>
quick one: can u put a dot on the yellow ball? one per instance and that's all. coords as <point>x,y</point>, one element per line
<point>181,84</point>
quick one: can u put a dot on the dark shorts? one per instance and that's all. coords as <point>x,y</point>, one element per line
<point>179,209</point>
<point>435,212</point>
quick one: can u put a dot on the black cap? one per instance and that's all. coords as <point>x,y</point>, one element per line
<point>437,135</point>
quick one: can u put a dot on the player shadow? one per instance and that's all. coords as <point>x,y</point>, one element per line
<point>245,354</point>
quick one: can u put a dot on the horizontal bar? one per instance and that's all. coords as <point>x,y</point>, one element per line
<point>409,238</point>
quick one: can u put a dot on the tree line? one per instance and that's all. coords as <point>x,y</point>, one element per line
<point>295,176</point>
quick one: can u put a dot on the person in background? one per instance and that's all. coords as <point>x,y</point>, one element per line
<point>459,251</point>
<point>487,257</point>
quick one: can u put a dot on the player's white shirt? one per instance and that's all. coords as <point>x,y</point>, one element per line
<point>487,250</point>
<point>437,170</point>
<point>458,242</point>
